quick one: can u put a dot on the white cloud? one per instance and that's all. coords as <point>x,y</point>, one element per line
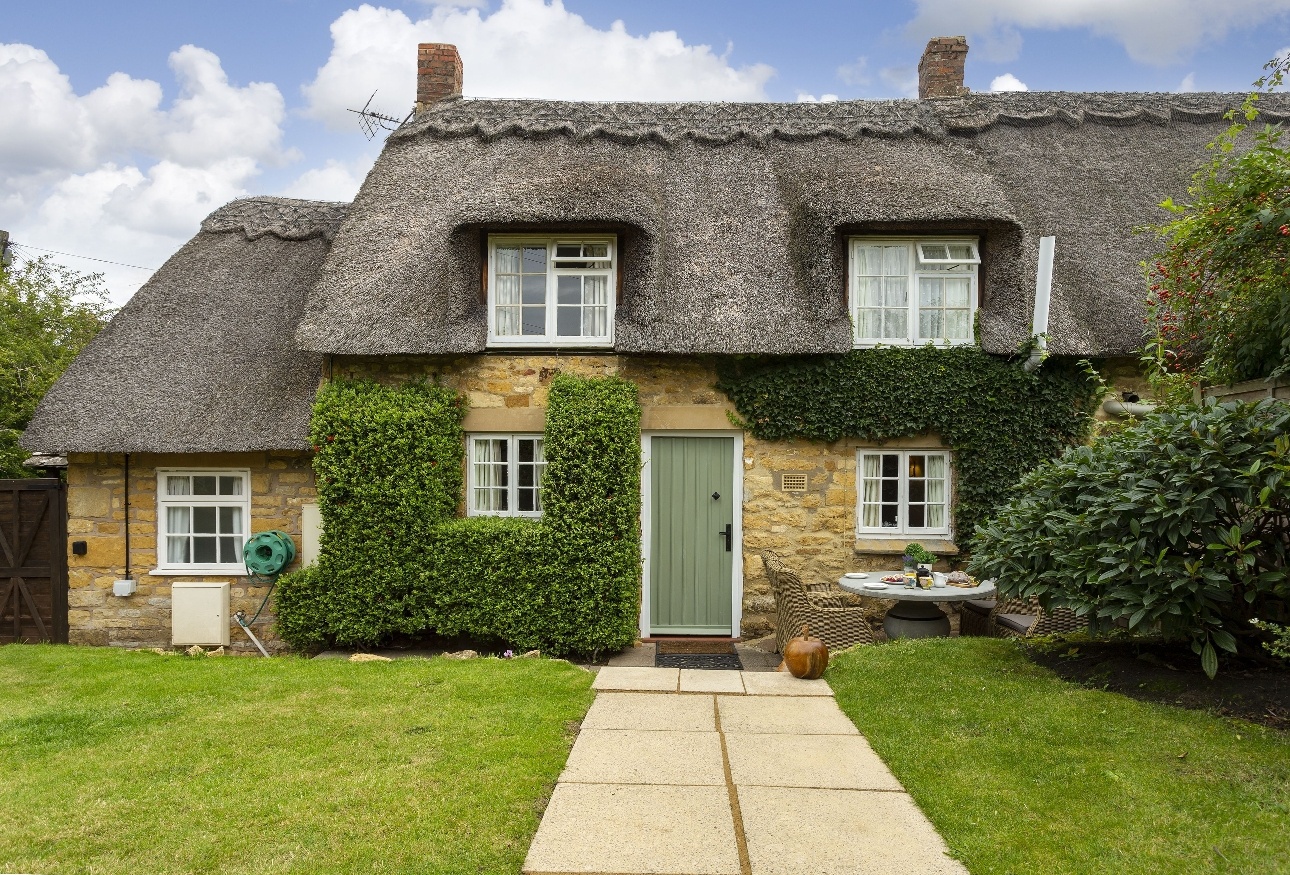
<point>526,48</point>
<point>803,97</point>
<point>114,173</point>
<point>856,73</point>
<point>334,181</point>
<point>903,79</point>
<point>1151,31</point>
<point>1007,82</point>
<point>1188,84</point>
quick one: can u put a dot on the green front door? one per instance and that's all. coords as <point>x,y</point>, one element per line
<point>692,516</point>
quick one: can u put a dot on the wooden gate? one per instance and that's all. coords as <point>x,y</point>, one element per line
<point>33,561</point>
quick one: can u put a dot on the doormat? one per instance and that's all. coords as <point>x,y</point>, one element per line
<point>708,661</point>
<point>700,646</point>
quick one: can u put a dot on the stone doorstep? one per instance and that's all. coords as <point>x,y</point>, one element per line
<point>669,680</point>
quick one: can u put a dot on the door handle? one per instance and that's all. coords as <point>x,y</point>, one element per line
<point>729,534</point>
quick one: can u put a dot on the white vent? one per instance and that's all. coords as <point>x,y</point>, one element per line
<point>792,482</point>
<point>199,613</point>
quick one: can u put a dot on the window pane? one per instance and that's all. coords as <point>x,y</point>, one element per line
<point>956,325</point>
<point>204,485</point>
<point>508,321</point>
<point>960,251</point>
<point>894,260</point>
<point>177,520</point>
<point>204,551</point>
<point>890,516</point>
<point>917,465</point>
<point>917,519</point>
<point>177,551</point>
<point>890,465</point>
<point>230,550</point>
<point>870,324</point>
<point>533,321</point>
<point>891,490</point>
<point>506,290</point>
<point>508,259</point>
<point>533,289</point>
<point>917,490</point>
<point>596,250</point>
<point>929,325</point>
<point>956,290</point>
<point>230,486</point>
<point>204,520</point>
<point>895,325</point>
<point>230,521</point>
<point>896,290</point>
<point>525,500</point>
<point>568,250</point>
<point>869,292</point>
<point>568,289</point>
<point>525,449</point>
<point>929,291</point>
<point>868,260</point>
<point>568,321</point>
<point>535,259</point>
<point>177,485</point>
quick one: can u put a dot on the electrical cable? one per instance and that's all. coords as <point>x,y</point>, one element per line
<point>75,255</point>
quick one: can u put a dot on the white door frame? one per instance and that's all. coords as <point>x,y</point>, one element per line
<point>737,545</point>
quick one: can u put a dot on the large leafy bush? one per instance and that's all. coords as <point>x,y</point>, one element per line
<point>1181,521</point>
<point>396,560</point>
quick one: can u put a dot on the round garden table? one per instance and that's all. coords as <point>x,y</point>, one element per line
<point>915,614</point>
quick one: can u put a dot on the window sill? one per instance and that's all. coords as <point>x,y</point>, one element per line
<point>910,344</point>
<point>894,545</point>
<point>543,343</point>
<point>207,571</point>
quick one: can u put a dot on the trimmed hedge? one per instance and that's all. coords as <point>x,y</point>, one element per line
<point>395,560</point>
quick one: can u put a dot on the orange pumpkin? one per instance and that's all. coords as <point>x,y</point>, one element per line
<point>806,657</point>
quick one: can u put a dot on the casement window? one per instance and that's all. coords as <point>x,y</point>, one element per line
<point>504,476</point>
<point>551,291</point>
<point>903,492</point>
<point>203,517</point>
<point>913,291</point>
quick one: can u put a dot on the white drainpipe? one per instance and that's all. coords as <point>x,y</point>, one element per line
<point>1043,293</point>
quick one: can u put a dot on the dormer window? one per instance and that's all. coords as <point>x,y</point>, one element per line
<point>913,291</point>
<point>551,291</point>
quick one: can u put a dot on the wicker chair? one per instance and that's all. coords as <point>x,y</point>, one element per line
<point>832,620</point>
<point>1026,618</point>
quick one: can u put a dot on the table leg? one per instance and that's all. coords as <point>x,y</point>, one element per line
<point>916,620</point>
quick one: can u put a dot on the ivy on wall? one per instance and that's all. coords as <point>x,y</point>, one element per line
<point>999,420</point>
<point>396,560</point>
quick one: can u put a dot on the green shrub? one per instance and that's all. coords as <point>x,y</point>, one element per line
<point>1182,520</point>
<point>999,420</point>
<point>395,560</point>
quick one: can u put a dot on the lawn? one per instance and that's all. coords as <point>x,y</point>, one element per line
<point>135,762</point>
<point>1025,773</point>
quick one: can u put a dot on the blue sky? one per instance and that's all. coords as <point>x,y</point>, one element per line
<point>133,120</point>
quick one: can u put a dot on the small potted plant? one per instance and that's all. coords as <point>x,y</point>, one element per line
<point>918,556</point>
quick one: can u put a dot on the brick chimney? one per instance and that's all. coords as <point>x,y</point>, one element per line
<point>438,73</point>
<point>940,71</point>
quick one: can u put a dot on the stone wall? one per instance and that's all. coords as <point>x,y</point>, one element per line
<point>280,483</point>
<point>814,531</point>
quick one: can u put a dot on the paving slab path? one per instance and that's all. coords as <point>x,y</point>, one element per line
<point>687,772</point>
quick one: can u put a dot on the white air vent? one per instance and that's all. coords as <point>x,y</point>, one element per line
<point>199,613</point>
<point>792,482</point>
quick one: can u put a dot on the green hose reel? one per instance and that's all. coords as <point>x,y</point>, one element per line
<point>268,553</point>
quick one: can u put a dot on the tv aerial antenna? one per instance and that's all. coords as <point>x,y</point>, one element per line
<point>371,121</point>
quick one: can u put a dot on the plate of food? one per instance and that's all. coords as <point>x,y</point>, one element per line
<point>894,578</point>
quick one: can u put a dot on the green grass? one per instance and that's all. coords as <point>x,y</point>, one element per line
<point>1025,773</point>
<point>125,762</point>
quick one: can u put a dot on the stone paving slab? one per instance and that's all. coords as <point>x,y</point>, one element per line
<point>695,680</point>
<point>613,677</point>
<point>781,683</point>
<point>782,714</point>
<point>656,830</point>
<point>837,762</point>
<point>628,756</point>
<point>791,831</point>
<point>651,711</point>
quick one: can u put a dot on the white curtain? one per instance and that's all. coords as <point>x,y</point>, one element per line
<point>595,306</point>
<point>177,524</point>
<point>490,474</point>
<point>872,498</point>
<point>936,471</point>
<point>506,298</point>
<point>177,485</point>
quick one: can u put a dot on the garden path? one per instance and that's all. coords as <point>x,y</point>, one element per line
<point>686,772</point>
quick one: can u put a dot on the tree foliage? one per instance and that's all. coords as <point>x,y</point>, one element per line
<point>47,315</point>
<point>1182,520</point>
<point>1219,302</point>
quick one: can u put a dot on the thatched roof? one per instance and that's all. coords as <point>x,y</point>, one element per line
<point>733,217</point>
<point>203,357</point>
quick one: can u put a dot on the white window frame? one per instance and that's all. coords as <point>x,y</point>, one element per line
<point>904,530</point>
<point>914,259</point>
<point>165,501</point>
<point>550,338</point>
<point>512,462</point>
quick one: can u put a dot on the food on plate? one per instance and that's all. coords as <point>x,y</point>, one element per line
<point>894,578</point>
<point>959,577</point>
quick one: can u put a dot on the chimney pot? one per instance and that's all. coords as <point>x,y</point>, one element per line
<point>438,73</point>
<point>940,70</point>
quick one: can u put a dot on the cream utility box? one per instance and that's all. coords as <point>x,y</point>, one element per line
<point>199,614</point>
